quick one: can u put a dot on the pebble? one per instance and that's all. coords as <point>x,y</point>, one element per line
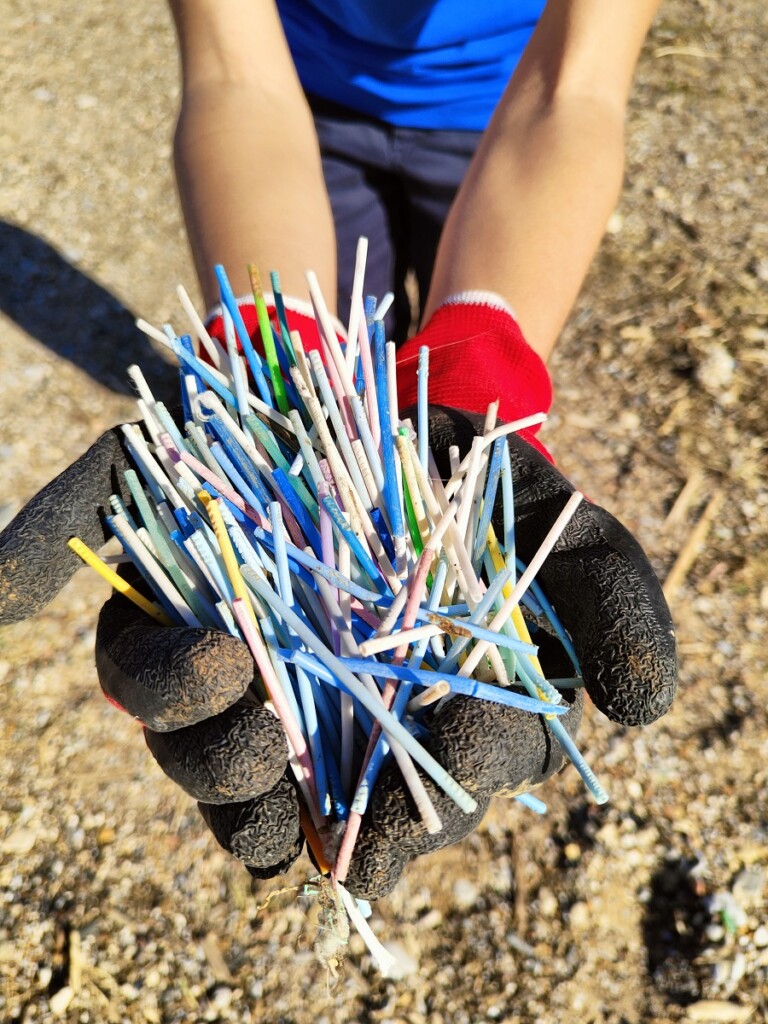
<point>59,1001</point>
<point>715,372</point>
<point>748,886</point>
<point>760,938</point>
<point>579,916</point>
<point>718,1011</point>
<point>19,842</point>
<point>548,905</point>
<point>404,964</point>
<point>465,893</point>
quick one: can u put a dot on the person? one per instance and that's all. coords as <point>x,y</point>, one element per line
<point>544,180</point>
<point>520,234</point>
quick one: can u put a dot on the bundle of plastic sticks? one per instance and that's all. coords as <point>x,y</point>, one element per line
<point>295,510</point>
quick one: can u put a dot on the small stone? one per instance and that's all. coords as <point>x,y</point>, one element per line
<point>403,964</point>
<point>222,997</point>
<point>572,852</point>
<point>715,933</point>
<point>106,836</point>
<point>579,916</point>
<point>19,842</point>
<point>59,1001</point>
<point>465,894</point>
<point>760,938</point>
<point>748,886</point>
<point>715,372</point>
<point>615,223</point>
<point>721,972</point>
<point>629,421</point>
<point>718,1011</point>
<point>738,969</point>
<point>8,952</point>
<point>548,904</point>
<point>634,789</point>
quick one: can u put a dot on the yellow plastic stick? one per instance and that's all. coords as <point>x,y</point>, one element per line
<point>517,616</point>
<point>227,551</point>
<point>92,559</point>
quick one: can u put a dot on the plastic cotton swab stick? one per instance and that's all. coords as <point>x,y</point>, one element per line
<point>294,510</point>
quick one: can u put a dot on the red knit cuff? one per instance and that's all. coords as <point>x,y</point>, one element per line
<point>298,319</point>
<point>477,354</point>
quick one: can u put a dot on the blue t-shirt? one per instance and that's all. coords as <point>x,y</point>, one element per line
<point>414,63</point>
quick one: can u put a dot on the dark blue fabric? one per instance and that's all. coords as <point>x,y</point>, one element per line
<point>395,186</point>
<point>412,63</point>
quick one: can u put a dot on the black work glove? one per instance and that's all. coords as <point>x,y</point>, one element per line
<point>191,688</point>
<point>610,602</point>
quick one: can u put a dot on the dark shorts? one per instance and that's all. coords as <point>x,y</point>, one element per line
<point>395,186</point>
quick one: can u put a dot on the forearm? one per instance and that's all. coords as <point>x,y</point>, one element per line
<point>531,213</point>
<point>533,207</point>
<point>246,156</point>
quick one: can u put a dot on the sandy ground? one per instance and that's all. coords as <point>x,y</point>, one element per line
<point>116,905</point>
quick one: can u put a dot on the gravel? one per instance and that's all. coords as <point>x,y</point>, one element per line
<point>117,905</point>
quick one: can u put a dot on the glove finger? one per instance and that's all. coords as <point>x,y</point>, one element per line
<point>264,833</point>
<point>236,755</point>
<point>376,865</point>
<point>35,562</point>
<point>598,578</point>
<point>487,749</point>
<point>167,677</point>
<point>611,602</point>
<point>394,814</point>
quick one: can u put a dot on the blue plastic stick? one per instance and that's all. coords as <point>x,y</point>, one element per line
<point>489,499</point>
<point>458,684</point>
<point>532,802</point>
<point>403,695</point>
<point>391,491</point>
<point>508,506</point>
<point>205,373</point>
<point>282,319</point>
<point>254,359</point>
<point>282,486</point>
<point>464,626</point>
<point>533,683</point>
<point>553,619</point>
<point>353,685</point>
<point>238,373</point>
<point>422,407</point>
<point>306,693</point>
<point>477,616</point>
<point>364,559</point>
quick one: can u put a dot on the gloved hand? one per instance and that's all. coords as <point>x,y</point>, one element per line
<point>191,687</point>
<point>597,577</point>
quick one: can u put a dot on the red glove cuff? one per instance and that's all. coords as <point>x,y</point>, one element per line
<point>298,315</point>
<point>477,354</point>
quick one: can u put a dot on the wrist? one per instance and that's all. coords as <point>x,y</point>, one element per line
<point>478,355</point>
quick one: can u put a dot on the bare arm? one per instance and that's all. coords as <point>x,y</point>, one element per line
<point>534,205</point>
<point>247,160</point>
